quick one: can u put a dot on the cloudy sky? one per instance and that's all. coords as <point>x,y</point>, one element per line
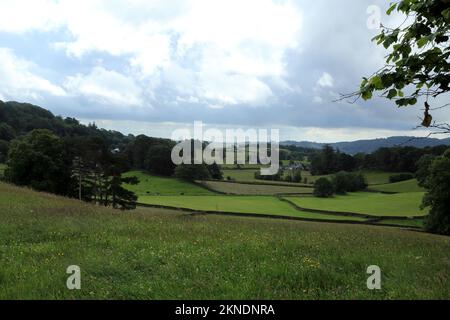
<point>152,66</point>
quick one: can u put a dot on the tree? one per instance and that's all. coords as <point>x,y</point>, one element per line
<point>159,161</point>
<point>192,172</point>
<point>423,171</point>
<point>119,197</point>
<point>417,65</point>
<point>438,195</point>
<point>4,147</point>
<point>215,171</point>
<point>40,161</point>
<point>344,182</point>
<point>296,176</point>
<point>6,132</point>
<point>323,188</point>
<point>328,161</point>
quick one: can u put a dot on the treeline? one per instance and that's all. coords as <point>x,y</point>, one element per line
<point>18,119</point>
<point>77,167</point>
<point>154,155</point>
<point>64,157</point>
<point>396,159</point>
<point>291,152</point>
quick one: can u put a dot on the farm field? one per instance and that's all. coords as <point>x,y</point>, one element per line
<point>254,189</point>
<point>240,175</point>
<point>399,205</point>
<point>248,175</point>
<point>400,187</point>
<point>264,205</point>
<point>164,254</point>
<point>154,185</point>
<point>260,199</point>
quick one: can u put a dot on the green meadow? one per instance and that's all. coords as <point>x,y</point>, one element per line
<point>154,185</point>
<point>164,254</point>
<point>399,187</point>
<point>376,204</point>
<point>264,205</point>
<point>255,198</point>
<point>254,189</point>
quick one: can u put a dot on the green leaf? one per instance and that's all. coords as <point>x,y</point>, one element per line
<point>446,13</point>
<point>377,82</point>
<point>366,95</point>
<point>422,42</point>
<point>392,8</point>
<point>392,94</point>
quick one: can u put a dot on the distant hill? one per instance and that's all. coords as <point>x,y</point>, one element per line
<point>368,146</point>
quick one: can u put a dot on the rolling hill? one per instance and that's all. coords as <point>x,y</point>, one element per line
<point>369,146</point>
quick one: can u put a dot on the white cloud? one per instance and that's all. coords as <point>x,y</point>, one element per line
<point>18,16</point>
<point>18,80</point>
<point>228,49</point>
<point>326,80</point>
<point>106,87</point>
<point>317,99</point>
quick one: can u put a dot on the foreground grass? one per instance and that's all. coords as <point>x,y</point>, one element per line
<point>417,223</point>
<point>398,205</point>
<point>160,254</point>
<point>254,189</point>
<point>154,185</point>
<point>265,205</point>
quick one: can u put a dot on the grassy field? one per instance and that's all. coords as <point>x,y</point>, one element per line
<point>264,205</point>
<point>240,175</point>
<point>154,185</point>
<point>162,254</point>
<point>248,175</point>
<point>400,187</point>
<point>399,205</point>
<point>254,189</point>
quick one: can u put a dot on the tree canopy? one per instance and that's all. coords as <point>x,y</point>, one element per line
<point>417,65</point>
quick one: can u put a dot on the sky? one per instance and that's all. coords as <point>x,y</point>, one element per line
<point>153,66</point>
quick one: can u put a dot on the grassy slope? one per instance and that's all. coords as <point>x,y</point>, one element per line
<point>418,223</point>
<point>403,186</point>
<point>159,254</point>
<point>163,186</point>
<point>252,189</point>
<point>402,204</point>
<point>238,204</point>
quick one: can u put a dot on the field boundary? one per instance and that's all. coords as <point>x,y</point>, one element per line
<point>370,222</point>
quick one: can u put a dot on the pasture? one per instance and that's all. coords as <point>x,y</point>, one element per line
<point>254,189</point>
<point>399,187</point>
<point>376,204</point>
<point>264,205</point>
<point>164,254</point>
<point>154,185</point>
